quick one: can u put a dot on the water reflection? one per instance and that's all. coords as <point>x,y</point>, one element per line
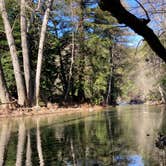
<point>21,142</point>
<point>121,137</point>
<point>39,144</point>
<point>29,150</point>
<point>4,139</point>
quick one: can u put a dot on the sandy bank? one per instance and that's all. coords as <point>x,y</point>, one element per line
<point>52,109</point>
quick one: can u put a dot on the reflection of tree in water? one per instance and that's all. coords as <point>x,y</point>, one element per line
<point>161,151</point>
<point>117,144</point>
<point>85,141</point>
<point>163,123</point>
<point>141,126</point>
<point>102,138</point>
<point>161,157</point>
<point>39,143</point>
<point>20,144</point>
<point>79,143</point>
<point>29,150</point>
<point>93,141</point>
<point>4,139</point>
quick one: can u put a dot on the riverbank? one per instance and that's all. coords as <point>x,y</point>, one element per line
<point>50,109</point>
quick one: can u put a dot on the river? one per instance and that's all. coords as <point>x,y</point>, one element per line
<point>122,136</point>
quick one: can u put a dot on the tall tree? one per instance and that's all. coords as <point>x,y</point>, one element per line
<point>25,52</point>
<point>81,51</point>
<point>40,51</point>
<point>13,52</point>
<point>4,95</point>
<point>72,52</point>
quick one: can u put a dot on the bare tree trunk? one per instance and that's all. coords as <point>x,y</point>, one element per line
<point>81,92</point>
<point>25,53</point>
<point>38,5</point>
<point>40,51</point>
<point>110,100</point>
<point>72,54</point>
<point>4,94</point>
<point>20,145</point>
<point>13,52</point>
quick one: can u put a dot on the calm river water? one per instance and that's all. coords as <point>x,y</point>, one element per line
<point>122,136</point>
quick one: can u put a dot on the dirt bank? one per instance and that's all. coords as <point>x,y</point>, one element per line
<point>50,109</point>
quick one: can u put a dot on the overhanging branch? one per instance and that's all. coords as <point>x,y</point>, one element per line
<point>139,26</point>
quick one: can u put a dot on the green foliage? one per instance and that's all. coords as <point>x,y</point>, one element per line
<point>154,95</point>
<point>86,79</point>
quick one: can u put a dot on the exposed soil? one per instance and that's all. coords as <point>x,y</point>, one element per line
<point>50,109</point>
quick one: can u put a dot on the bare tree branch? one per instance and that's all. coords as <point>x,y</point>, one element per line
<point>139,26</point>
<point>147,15</point>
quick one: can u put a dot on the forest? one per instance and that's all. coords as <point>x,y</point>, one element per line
<point>82,51</point>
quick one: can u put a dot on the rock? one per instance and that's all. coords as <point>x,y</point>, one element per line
<point>49,105</point>
<point>136,101</point>
<point>161,141</point>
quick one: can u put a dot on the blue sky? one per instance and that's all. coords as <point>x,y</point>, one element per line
<point>155,23</point>
<point>135,39</point>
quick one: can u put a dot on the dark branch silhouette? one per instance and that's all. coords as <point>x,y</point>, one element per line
<point>138,25</point>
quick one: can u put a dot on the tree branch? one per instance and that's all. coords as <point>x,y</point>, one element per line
<point>147,15</point>
<point>137,25</point>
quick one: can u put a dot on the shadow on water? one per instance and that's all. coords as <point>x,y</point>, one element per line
<point>125,136</point>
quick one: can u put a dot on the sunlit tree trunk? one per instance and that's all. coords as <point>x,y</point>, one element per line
<point>81,92</point>
<point>39,144</point>
<point>4,139</point>
<point>110,99</point>
<point>25,52</point>
<point>4,94</point>
<point>29,151</point>
<point>40,51</point>
<point>20,144</point>
<point>13,52</point>
<point>62,70</point>
<point>72,53</point>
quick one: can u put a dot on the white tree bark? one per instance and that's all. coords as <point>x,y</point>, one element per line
<point>25,52</point>
<point>40,51</point>
<point>4,95</point>
<point>38,5</point>
<point>13,52</point>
